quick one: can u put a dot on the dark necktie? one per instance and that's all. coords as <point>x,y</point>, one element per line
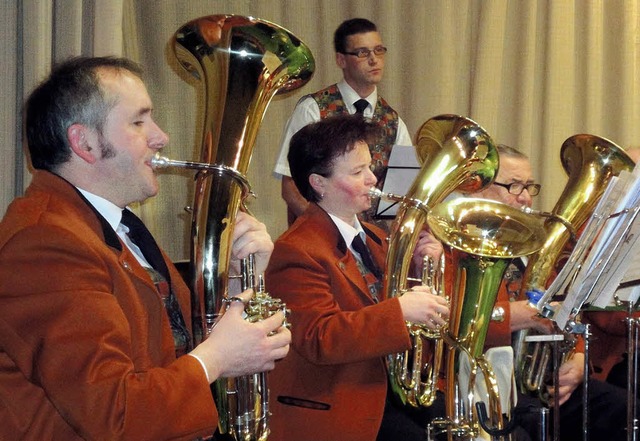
<point>360,105</point>
<point>141,236</point>
<point>359,245</point>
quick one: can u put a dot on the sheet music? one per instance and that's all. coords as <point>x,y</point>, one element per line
<point>569,271</point>
<point>611,258</point>
<point>401,172</point>
<point>611,275</point>
<point>570,274</point>
<point>616,245</point>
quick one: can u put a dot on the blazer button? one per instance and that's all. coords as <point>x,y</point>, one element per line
<point>126,265</point>
<point>341,265</point>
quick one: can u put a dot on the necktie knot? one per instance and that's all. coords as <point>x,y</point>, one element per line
<point>134,224</point>
<point>142,237</point>
<point>362,249</point>
<point>360,105</point>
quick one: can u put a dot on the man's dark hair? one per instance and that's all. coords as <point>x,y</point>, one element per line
<point>72,94</point>
<point>315,147</point>
<point>351,27</point>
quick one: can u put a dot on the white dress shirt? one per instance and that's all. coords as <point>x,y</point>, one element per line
<point>349,232</point>
<point>307,111</point>
<point>113,215</point>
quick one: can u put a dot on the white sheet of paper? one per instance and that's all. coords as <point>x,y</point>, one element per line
<point>612,257</point>
<point>401,172</point>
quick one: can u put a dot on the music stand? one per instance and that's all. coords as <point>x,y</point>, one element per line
<point>402,170</point>
<point>605,255</point>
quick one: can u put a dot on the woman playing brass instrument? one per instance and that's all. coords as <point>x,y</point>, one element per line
<point>333,384</point>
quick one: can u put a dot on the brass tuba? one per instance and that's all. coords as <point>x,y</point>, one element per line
<point>590,163</point>
<point>457,154</point>
<point>480,238</point>
<point>240,63</point>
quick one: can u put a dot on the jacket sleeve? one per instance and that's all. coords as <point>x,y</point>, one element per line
<point>331,322</point>
<point>499,333</point>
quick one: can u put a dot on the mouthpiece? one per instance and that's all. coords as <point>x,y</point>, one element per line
<point>158,162</point>
<point>563,221</point>
<point>379,194</point>
<point>376,193</point>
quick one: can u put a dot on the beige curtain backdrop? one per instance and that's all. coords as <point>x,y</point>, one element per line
<point>531,72</point>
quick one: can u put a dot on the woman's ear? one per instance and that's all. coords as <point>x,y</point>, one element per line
<point>317,182</point>
<point>81,139</point>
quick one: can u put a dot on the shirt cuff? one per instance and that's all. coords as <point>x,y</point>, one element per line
<point>204,368</point>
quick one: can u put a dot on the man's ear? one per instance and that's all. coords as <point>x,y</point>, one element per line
<point>341,61</point>
<point>81,139</point>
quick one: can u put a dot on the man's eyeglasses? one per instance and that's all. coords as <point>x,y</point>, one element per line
<point>517,188</point>
<point>363,52</point>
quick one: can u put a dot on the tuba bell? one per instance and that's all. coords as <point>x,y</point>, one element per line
<point>480,238</point>
<point>240,63</point>
<point>457,154</point>
<point>590,163</point>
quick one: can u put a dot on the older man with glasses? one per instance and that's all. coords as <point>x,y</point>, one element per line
<point>360,54</point>
<point>515,186</point>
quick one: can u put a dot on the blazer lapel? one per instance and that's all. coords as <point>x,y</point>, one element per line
<point>376,246</point>
<point>346,262</point>
<point>349,266</point>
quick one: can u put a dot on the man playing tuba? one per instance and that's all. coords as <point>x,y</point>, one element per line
<point>94,340</point>
<point>516,186</point>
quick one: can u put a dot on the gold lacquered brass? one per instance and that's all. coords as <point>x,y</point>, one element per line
<point>457,154</point>
<point>239,64</point>
<point>590,163</point>
<point>480,238</point>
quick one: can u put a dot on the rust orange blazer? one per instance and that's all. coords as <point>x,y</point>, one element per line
<point>332,385</point>
<point>86,351</point>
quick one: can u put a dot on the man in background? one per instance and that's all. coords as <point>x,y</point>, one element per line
<point>360,54</point>
<point>515,186</point>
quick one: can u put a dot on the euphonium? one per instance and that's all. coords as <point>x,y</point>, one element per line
<point>457,154</point>
<point>590,163</point>
<point>240,63</point>
<point>480,238</point>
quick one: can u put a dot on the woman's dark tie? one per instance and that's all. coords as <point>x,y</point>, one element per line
<point>362,249</point>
